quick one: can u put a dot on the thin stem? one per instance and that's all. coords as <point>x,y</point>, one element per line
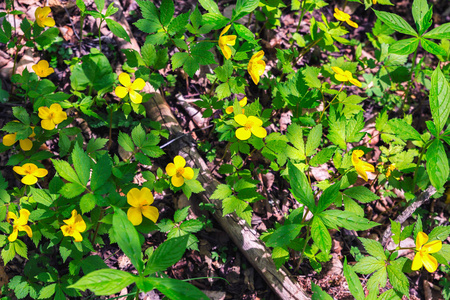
<point>98,225</point>
<point>422,152</point>
<point>331,102</point>
<point>137,294</point>
<point>408,87</point>
<point>110,127</point>
<point>100,35</point>
<point>81,30</point>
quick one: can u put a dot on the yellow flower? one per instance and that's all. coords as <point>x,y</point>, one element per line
<point>51,116</point>
<point>42,68</point>
<point>42,18</point>
<point>345,76</point>
<point>130,88</point>
<point>256,66</point>
<point>25,144</point>
<point>342,16</point>
<point>250,125</point>
<point>361,166</point>
<point>75,225</point>
<point>31,172</point>
<point>423,258</point>
<point>178,172</point>
<point>390,169</point>
<point>242,103</point>
<point>141,201</point>
<point>374,2</point>
<point>19,224</point>
<point>225,41</point>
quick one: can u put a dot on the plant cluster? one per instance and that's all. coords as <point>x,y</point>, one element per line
<point>81,196</point>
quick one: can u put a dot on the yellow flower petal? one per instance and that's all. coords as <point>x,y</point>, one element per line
<point>59,117</point>
<point>188,173</point>
<point>179,161</point>
<point>19,170</point>
<point>27,229</point>
<point>50,22</point>
<point>13,236</point>
<point>11,216</point>
<point>138,84</point>
<point>171,170</point>
<point>135,97</point>
<point>44,112</point>
<point>146,195</point>
<point>255,121</point>
<point>243,102</point>
<point>355,82</point>
<point>150,212</point>
<point>134,197</point>
<point>29,179</point>
<point>241,119</point>
<point>79,224</point>
<point>433,247</point>
<point>430,263</point>
<point>125,80</point>
<point>121,92</point>
<point>259,132</point>
<point>134,214</point>
<point>48,124</point>
<point>351,23</point>
<point>9,139</point>
<point>226,51</point>
<point>224,30</point>
<point>65,230</point>
<point>340,77</point>
<point>417,262</point>
<point>229,110</point>
<point>23,219</point>
<point>25,144</point>
<point>177,181</point>
<point>421,239</point>
<point>243,134</point>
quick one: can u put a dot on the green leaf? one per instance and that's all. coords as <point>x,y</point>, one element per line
<point>71,190</point>
<point>41,196</point>
<point>368,265</point>
<point>312,77</point>
<point>179,23</point>
<point>377,280</point>
<point>300,187</point>
<point>47,291</point>
<point>95,145</point>
<point>100,5</point>
<point>192,226</point>
<point>395,22</point>
<point>283,235</point>
<point>441,32</point>
<point>222,191</point>
<point>439,233</point>
<point>361,193</point>
<point>81,163</point>
<point>117,29</point>
<point>166,11</point>
<point>244,32</point>
<point>403,130</point>
<point>328,197</point>
<point>87,203</point>
<point>174,289</point>
<point>47,37</point>
<point>432,47</point>
<point>148,25</point>
<point>419,11</point>
<point>323,156</point>
<point>8,253</point>
<point>210,5</point>
<point>93,263</point>
<point>111,10</point>
<point>104,282</point>
<point>439,99</point>
<point>404,47</point>
<point>138,135</point>
<point>148,53</point>
<point>354,285</point>
<point>166,255</point>
<point>126,142</point>
<point>21,114</point>
<point>65,171</point>
<point>244,7</point>
<point>318,294</point>
<point>348,220</point>
<point>320,234</point>
<point>374,248</point>
<point>126,236</point>
<point>101,171</point>
<point>437,164</point>
<point>397,278</point>
<point>313,141</point>
<point>21,248</point>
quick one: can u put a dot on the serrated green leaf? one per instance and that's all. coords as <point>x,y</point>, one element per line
<point>320,234</point>
<point>166,11</point>
<point>300,187</point>
<point>354,285</point>
<point>65,171</point>
<point>404,47</point>
<point>403,130</point>
<point>439,98</point>
<point>166,255</point>
<point>47,291</point>
<point>222,191</point>
<point>440,32</point>
<point>81,163</point>
<point>439,233</point>
<point>397,278</point>
<point>283,235</point>
<point>368,265</point>
<point>374,248</point>
<point>104,281</point>
<point>87,203</point>
<point>395,22</point>
<point>126,142</point>
<point>437,164</point>
<point>174,289</point>
<point>361,193</point>
<point>432,47</point>
<point>117,30</point>
<point>348,220</point>
<point>21,114</point>
<point>328,197</point>
<point>210,6</point>
<point>318,294</point>
<point>71,190</point>
<point>313,141</point>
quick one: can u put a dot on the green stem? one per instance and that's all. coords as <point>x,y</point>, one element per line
<point>100,35</point>
<point>422,152</point>
<point>110,127</point>
<point>137,294</point>
<point>329,104</point>
<point>408,88</point>
<point>98,225</point>
<point>81,30</point>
